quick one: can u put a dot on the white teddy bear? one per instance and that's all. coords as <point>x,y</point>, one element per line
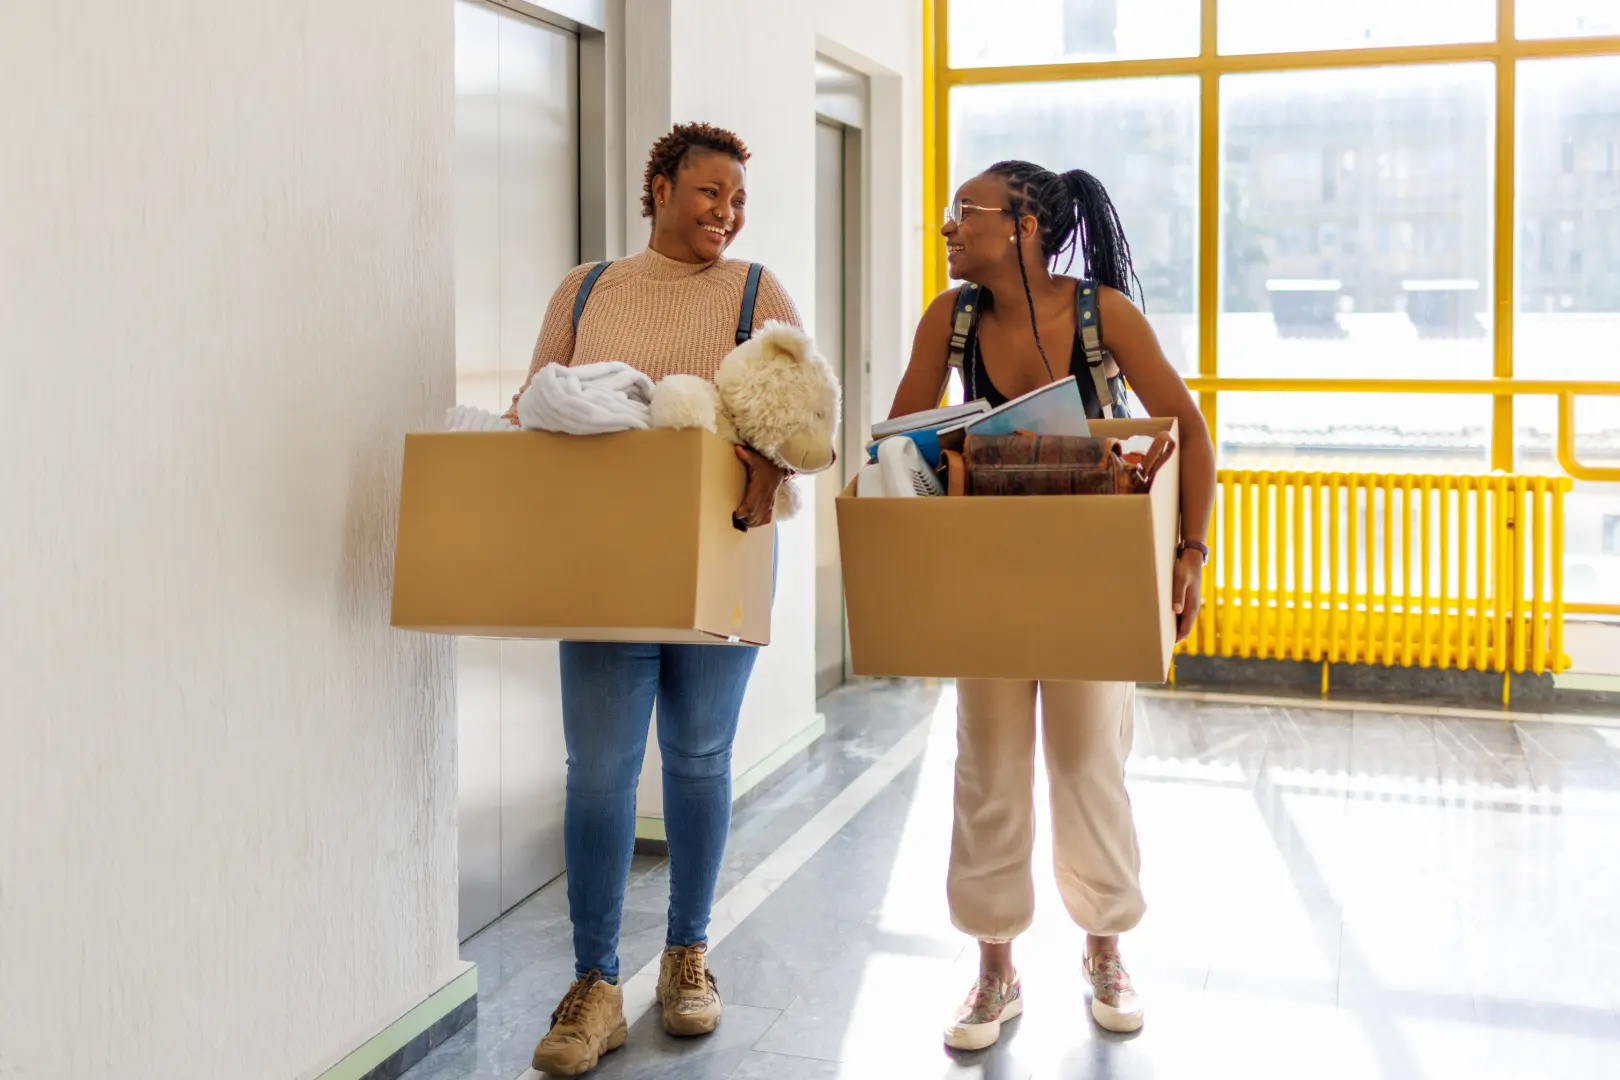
<point>774,394</point>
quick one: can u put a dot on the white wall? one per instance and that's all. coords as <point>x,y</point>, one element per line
<point>883,39</point>
<point>227,837</point>
<point>750,66</point>
<point>1593,647</point>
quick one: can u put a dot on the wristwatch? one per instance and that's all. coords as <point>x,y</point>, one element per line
<point>1194,545</point>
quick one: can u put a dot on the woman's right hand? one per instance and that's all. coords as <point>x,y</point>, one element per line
<point>759,497</point>
<point>1187,590</point>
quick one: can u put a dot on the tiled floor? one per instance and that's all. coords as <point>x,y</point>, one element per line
<point>1332,895</point>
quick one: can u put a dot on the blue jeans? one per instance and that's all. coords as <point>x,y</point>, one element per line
<point>608,692</point>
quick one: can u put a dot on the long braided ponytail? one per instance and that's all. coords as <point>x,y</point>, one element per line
<point>1075,216</point>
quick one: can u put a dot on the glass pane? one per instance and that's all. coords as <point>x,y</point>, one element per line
<point>989,33</point>
<point>1381,433</point>
<point>1568,18</point>
<point>1140,138</point>
<point>1568,192</point>
<point>1568,311</point>
<point>1356,223</point>
<point>1252,26</point>
<point>1591,511</point>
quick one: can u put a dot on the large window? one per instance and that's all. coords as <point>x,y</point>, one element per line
<point>986,33</point>
<point>1567,318</point>
<point>1568,213</point>
<point>1356,217</point>
<point>1140,138</point>
<point>1568,18</point>
<point>1266,26</point>
<point>1371,190</point>
<point>1354,432</point>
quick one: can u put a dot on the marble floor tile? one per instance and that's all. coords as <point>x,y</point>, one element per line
<point>757,1066</point>
<point>1479,759</point>
<point>869,1009</point>
<point>1349,896</point>
<point>1566,758</point>
<point>652,1055</point>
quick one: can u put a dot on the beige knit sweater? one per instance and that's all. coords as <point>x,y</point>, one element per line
<point>660,316</point>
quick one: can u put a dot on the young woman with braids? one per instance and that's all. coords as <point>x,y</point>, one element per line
<point>1004,233</point>
<point>677,306</point>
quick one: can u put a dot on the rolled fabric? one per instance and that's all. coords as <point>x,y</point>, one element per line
<point>469,418</point>
<point>592,399</point>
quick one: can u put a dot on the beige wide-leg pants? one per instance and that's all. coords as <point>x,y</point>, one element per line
<point>1086,730</point>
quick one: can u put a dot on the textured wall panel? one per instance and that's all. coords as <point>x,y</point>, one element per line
<point>227,788</point>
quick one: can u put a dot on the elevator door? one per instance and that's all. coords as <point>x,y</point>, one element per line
<point>830,327</point>
<point>517,234</point>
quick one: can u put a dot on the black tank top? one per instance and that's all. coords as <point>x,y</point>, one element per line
<point>979,376</point>
<point>964,354</point>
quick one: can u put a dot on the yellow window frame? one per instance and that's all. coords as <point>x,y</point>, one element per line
<point>1209,65</point>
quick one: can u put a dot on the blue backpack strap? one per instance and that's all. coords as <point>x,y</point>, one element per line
<point>1088,324</point>
<point>585,288</point>
<point>963,319</point>
<point>745,321</point>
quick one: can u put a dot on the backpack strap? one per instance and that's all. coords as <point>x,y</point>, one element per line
<point>963,320</point>
<point>745,321</point>
<point>585,288</point>
<point>1088,324</point>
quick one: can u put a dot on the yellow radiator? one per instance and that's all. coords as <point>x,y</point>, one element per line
<point>1435,571</point>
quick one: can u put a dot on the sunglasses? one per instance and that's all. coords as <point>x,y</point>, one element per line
<point>958,211</point>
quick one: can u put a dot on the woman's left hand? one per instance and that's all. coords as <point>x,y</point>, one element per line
<point>1187,590</point>
<point>759,499</point>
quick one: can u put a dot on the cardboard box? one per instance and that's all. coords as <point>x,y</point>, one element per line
<point>1037,587</point>
<point>624,537</point>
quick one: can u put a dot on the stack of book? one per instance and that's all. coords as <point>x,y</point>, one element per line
<point>924,428</point>
<point>1054,409</point>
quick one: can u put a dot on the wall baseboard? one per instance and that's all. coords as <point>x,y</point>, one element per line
<point>400,1045</point>
<point>1565,698</point>
<point>767,766</point>
<point>651,838</point>
<point>1581,681</point>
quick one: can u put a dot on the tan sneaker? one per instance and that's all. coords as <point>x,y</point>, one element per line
<point>1115,1005</point>
<point>587,1024</point>
<point>687,991</point>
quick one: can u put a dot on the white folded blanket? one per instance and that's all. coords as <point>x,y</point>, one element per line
<point>471,418</point>
<point>592,399</point>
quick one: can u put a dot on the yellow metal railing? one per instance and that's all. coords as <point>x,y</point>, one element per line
<point>1566,391</point>
<point>1434,571</point>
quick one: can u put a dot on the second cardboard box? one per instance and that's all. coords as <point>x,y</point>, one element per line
<point>1038,587</point>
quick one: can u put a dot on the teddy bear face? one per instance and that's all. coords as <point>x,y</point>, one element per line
<point>782,398</point>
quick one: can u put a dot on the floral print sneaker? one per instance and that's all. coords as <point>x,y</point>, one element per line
<point>1115,1004</point>
<point>990,1004</point>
